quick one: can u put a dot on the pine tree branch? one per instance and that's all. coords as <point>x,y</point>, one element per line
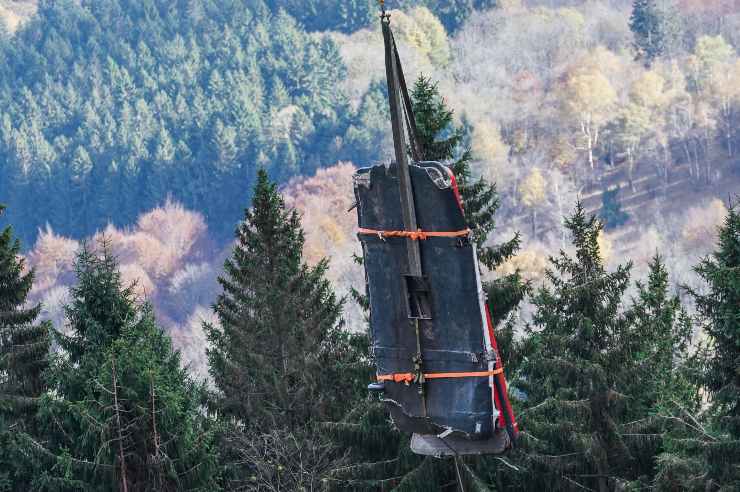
<point>583,487</point>
<point>122,458</point>
<point>46,452</point>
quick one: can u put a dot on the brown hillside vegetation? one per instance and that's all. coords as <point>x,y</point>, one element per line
<point>167,254</point>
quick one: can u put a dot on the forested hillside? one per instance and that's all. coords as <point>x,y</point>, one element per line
<point>109,107</point>
<point>185,307</point>
<point>112,109</point>
<point>351,15</point>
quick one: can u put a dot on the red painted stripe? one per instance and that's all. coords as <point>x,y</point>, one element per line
<point>506,407</point>
<point>456,190</point>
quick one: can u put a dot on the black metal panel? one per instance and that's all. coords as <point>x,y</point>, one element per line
<point>453,340</point>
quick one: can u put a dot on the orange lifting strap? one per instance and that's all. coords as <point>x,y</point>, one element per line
<point>414,235</point>
<point>408,377</point>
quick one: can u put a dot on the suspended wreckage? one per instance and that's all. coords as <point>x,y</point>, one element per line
<point>438,366</point>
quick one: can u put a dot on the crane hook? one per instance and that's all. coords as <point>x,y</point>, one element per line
<point>383,15</point>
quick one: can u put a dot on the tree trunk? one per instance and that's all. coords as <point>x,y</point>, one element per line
<point>687,151</point>
<point>727,110</point>
<point>707,162</point>
<point>695,162</point>
<point>590,141</point>
<point>666,165</point>
<point>590,152</point>
<point>603,485</point>
<point>729,141</point>
<point>156,440</point>
<point>117,409</point>
<point>559,200</point>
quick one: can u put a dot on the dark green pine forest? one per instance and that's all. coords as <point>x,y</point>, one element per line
<point>110,106</point>
<point>620,380</point>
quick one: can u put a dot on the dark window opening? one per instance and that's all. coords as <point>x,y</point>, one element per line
<point>418,297</point>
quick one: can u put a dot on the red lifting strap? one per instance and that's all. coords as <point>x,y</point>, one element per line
<point>409,377</point>
<point>414,235</point>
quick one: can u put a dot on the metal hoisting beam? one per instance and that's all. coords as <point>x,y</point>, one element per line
<point>408,210</point>
<point>415,146</point>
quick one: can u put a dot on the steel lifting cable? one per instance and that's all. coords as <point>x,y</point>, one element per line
<point>456,460</point>
<point>408,110</point>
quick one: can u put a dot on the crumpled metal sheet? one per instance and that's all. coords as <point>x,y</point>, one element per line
<point>454,339</point>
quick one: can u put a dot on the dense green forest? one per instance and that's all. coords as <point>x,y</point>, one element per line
<point>109,107</point>
<point>351,15</point>
<point>154,356</point>
<point>610,393</point>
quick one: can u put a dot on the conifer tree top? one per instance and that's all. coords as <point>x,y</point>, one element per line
<point>120,398</point>
<point>23,345</point>
<point>594,367</point>
<point>277,318</point>
<point>438,138</point>
<point>101,305</point>
<point>719,307</point>
<point>14,283</point>
<point>267,220</point>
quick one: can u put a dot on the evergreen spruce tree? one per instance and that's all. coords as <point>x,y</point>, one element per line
<point>277,318</point>
<point>661,372</point>
<point>23,345</point>
<point>279,357</point>
<point>122,413</point>
<point>441,140</point>
<point>656,29</point>
<point>720,308</point>
<point>594,370</point>
<point>660,332</point>
<point>23,350</point>
<point>380,456</point>
<point>706,455</point>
